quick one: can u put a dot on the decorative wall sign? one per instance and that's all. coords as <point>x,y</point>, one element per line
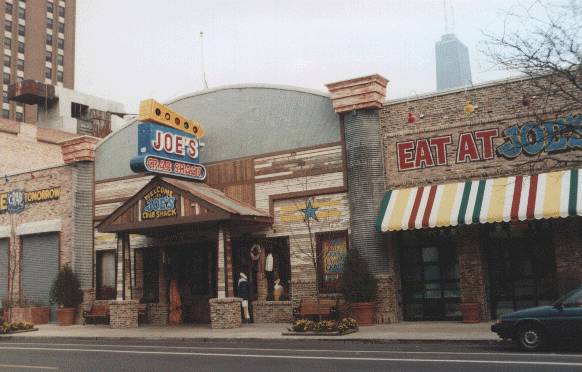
<point>160,202</point>
<point>530,139</point>
<point>168,151</point>
<point>334,253</point>
<point>15,201</point>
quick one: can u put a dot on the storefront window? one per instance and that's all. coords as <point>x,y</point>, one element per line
<point>522,266</point>
<point>332,249</point>
<point>105,270</point>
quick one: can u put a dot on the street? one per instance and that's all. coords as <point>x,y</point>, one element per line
<point>291,355</point>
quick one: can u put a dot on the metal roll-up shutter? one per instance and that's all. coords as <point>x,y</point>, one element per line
<point>3,268</point>
<point>40,266</point>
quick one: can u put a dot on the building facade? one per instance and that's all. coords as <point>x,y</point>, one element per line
<point>45,214</point>
<point>458,208</point>
<point>453,67</point>
<point>39,44</point>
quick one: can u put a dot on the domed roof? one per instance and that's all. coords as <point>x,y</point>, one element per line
<point>240,121</point>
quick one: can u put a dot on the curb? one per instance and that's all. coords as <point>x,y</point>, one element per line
<point>256,339</point>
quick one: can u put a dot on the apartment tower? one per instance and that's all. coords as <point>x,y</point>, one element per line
<point>39,44</point>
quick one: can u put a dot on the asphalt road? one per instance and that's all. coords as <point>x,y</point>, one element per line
<point>279,356</point>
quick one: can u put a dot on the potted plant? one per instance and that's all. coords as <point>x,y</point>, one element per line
<point>66,293</point>
<point>359,288</point>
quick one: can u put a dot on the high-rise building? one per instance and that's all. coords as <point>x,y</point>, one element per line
<point>452,63</point>
<point>39,44</point>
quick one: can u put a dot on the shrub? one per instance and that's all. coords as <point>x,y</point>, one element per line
<point>358,283</point>
<point>343,325</point>
<point>66,289</point>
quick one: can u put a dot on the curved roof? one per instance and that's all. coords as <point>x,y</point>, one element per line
<point>240,121</point>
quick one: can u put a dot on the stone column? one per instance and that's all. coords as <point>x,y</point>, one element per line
<point>225,312</point>
<point>358,101</point>
<point>472,268</point>
<point>221,280</point>
<point>79,154</point>
<point>123,311</point>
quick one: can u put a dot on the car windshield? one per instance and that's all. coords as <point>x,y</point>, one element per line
<point>566,296</point>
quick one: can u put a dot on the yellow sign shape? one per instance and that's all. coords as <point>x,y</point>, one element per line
<point>151,110</point>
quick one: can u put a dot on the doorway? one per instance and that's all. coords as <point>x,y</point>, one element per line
<point>194,271</point>
<point>430,277</point>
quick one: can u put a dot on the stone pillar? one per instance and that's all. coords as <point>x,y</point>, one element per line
<point>472,268</point>
<point>568,250</point>
<point>221,280</point>
<point>358,101</point>
<point>123,314</point>
<point>225,312</point>
<point>119,274</point>
<point>79,154</point>
<point>228,274</point>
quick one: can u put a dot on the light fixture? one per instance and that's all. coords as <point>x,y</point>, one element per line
<point>411,119</point>
<point>469,108</point>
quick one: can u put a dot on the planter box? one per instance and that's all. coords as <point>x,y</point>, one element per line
<point>34,315</point>
<point>337,333</point>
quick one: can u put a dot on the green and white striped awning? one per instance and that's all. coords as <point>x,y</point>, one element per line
<point>518,198</point>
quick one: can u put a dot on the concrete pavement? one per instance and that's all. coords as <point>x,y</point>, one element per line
<point>405,331</point>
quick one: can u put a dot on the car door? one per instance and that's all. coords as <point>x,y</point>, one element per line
<point>572,308</point>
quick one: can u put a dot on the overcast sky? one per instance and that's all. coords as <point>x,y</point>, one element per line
<point>129,50</point>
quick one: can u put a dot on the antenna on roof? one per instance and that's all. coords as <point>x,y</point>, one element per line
<point>449,28</point>
<point>446,17</point>
<point>204,82</point>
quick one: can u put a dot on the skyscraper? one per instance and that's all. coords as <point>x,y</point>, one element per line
<point>39,44</point>
<point>452,63</point>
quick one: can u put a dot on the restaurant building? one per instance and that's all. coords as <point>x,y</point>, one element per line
<point>482,198</point>
<point>274,159</point>
<point>459,199</point>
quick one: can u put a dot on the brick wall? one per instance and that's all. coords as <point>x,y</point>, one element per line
<point>272,312</point>
<point>567,234</point>
<point>225,312</point>
<point>123,314</point>
<point>500,105</point>
<point>472,268</point>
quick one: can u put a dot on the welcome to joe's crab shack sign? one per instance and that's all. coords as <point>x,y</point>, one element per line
<point>168,143</point>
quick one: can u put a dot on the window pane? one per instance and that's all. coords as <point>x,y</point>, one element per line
<point>8,25</point>
<point>430,254</point>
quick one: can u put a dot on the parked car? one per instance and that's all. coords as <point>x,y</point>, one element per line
<point>534,328</point>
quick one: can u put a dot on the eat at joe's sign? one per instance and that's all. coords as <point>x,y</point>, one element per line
<point>530,139</point>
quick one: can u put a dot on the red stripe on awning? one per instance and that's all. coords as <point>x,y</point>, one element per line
<point>429,204</point>
<point>415,206</point>
<point>516,196</point>
<point>531,198</point>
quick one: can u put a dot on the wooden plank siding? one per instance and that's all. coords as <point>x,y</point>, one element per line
<point>235,178</point>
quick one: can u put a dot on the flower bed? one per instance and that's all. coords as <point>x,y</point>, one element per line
<point>305,327</point>
<point>16,327</point>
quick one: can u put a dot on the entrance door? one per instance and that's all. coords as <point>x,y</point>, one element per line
<point>522,269</point>
<point>430,282</point>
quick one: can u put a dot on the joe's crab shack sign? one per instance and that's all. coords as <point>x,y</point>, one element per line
<point>168,143</point>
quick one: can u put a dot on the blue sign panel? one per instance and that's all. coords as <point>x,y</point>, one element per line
<point>167,151</point>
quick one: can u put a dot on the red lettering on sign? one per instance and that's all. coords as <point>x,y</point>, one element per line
<point>405,156</point>
<point>486,137</point>
<point>467,150</point>
<point>193,149</point>
<point>157,145</point>
<point>423,156</point>
<point>440,144</point>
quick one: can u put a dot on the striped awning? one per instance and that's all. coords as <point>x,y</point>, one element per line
<point>519,198</point>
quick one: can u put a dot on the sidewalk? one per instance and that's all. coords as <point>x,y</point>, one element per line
<point>406,331</point>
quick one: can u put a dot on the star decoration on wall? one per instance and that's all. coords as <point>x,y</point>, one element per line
<point>310,212</point>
